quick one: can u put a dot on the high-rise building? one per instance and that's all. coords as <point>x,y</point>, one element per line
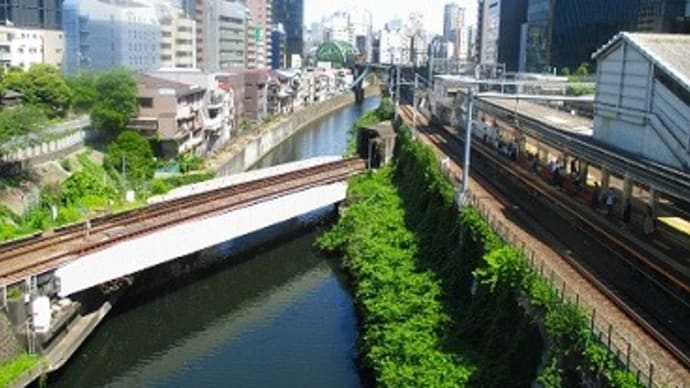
<point>664,16</point>
<point>262,15</point>
<point>32,13</point>
<point>178,37</point>
<point>415,39</point>
<point>222,27</point>
<point>454,28</point>
<point>501,25</point>
<point>102,34</point>
<point>564,33</point>
<point>337,27</point>
<point>290,13</point>
<point>278,43</point>
<point>361,21</point>
<point>391,46</point>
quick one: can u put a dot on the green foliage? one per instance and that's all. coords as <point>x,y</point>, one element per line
<point>80,187</point>
<point>8,230</point>
<point>160,186</point>
<point>430,307</point>
<point>583,70</point>
<point>10,371</point>
<point>190,162</point>
<point>565,71</point>
<point>115,100</point>
<point>133,152</point>
<point>386,109</point>
<point>21,120</point>
<point>404,319</point>
<point>42,85</point>
<point>579,90</point>
<point>83,86</point>
<point>66,164</point>
<point>15,292</point>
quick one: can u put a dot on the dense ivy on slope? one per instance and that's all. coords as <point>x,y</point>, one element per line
<point>403,320</point>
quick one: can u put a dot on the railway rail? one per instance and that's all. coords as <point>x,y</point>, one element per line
<point>36,254</point>
<point>675,346</point>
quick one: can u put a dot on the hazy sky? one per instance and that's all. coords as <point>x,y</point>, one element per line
<point>384,10</point>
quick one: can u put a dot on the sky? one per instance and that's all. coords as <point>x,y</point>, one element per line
<point>384,10</point>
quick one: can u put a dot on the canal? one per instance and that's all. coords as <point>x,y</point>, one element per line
<point>279,317</point>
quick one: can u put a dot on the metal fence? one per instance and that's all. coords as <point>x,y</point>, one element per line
<point>630,357</point>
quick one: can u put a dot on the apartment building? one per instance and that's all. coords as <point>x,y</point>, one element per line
<point>171,112</point>
<point>218,108</point>
<point>262,15</point>
<point>178,37</point>
<point>221,34</point>
<point>23,47</point>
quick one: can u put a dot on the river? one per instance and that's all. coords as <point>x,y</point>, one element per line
<point>281,317</point>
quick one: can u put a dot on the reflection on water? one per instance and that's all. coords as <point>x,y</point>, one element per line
<point>280,318</point>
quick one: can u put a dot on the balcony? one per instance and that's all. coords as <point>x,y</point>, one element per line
<point>214,124</point>
<point>147,126</point>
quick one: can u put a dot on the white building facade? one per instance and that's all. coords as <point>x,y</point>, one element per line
<point>23,47</point>
<point>178,37</point>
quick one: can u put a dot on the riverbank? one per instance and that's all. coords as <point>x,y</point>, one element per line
<point>248,148</point>
<point>444,300</point>
<point>195,273</point>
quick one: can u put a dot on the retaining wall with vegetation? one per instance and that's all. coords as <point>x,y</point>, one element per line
<point>444,300</point>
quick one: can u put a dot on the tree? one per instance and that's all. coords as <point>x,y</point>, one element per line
<point>20,120</point>
<point>116,101</point>
<point>565,71</point>
<point>133,152</point>
<point>83,87</point>
<point>583,70</point>
<point>42,85</point>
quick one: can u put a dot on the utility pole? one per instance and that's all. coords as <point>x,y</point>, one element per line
<point>397,92</point>
<point>414,104</point>
<point>464,193</point>
<point>124,171</point>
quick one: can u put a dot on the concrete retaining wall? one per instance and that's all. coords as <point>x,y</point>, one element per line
<point>9,345</point>
<point>54,149</point>
<point>250,149</point>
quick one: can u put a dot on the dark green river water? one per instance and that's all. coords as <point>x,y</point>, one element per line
<point>277,318</point>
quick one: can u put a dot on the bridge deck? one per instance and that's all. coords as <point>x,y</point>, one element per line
<point>20,261</point>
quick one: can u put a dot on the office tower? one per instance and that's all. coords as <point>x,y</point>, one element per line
<point>290,13</point>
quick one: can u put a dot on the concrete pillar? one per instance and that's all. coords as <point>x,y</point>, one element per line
<point>604,178</point>
<point>627,188</point>
<point>542,153</point>
<point>584,172</point>
<point>653,199</point>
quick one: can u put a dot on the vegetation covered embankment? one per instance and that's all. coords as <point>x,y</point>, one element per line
<point>439,291</point>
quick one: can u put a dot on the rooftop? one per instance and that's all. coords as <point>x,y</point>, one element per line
<point>180,89</point>
<point>670,52</point>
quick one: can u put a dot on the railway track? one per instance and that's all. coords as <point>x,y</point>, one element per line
<point>35,254</point>
<point>677,347</point>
